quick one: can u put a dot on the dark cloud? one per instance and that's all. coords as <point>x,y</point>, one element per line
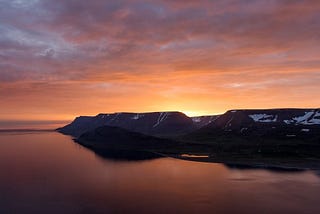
<point>72,34</point>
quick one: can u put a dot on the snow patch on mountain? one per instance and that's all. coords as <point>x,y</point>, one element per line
<point>309,118</point>
<point>213,118</point>
<point>264,118</point>
<point>137,116</point>
<point>229,122</point>
<point>314,120</point>
<point>103,116</point>
<point>196,119</point>
<point>162,117</point>
<point>115,117</point>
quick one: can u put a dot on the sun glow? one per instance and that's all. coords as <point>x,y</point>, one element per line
<point>198,113</point>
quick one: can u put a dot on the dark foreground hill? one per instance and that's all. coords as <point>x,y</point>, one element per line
<point>109,137</point>
<point>164,124</point>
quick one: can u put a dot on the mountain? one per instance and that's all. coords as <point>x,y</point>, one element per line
<point>281,123</point>
<point>163,124</point>
<point>283,131</point>
<point>247,135</point>
<point>285,122</point>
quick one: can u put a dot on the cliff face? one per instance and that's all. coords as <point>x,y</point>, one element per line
<point>280,123</point>
<point>155,123</point>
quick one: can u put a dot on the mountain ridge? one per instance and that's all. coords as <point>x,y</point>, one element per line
<point>168,123</point>
<point>262,128</point>
<point>174,123</point>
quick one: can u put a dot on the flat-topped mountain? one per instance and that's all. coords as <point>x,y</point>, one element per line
<point>280,116</point>
<point>288,123</point>
<point>154,123</point>
<point>294,131</point>
<point>260,122</point>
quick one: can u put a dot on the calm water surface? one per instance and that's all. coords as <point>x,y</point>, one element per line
<point>46,172</point>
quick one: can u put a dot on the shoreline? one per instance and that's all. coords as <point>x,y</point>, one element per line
<point>286,164</point>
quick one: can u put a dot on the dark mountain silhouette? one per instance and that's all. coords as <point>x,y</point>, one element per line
<point>163,124</point>
<point>282,123</point>
<point>280,132</point>
<point>109,137</point>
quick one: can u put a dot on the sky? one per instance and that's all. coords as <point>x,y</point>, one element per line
<point>64,58</point>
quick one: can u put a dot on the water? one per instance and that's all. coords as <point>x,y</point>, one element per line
<point>46,172</point>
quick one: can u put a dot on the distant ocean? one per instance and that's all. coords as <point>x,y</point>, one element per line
<point>30,124</point>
